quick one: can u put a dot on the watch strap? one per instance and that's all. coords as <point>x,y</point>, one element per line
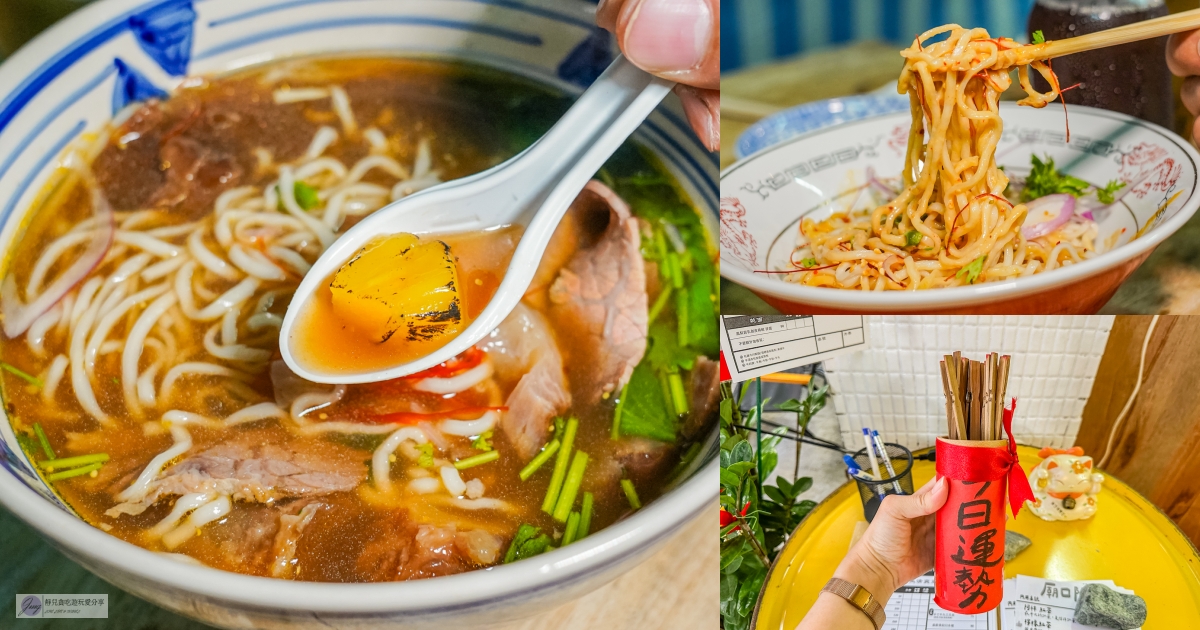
<point>858,597</point>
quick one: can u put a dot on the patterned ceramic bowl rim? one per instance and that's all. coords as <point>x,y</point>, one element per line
<point>156,45</point>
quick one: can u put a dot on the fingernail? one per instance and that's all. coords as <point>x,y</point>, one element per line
<point>666,35</point>
<point>704,116</point>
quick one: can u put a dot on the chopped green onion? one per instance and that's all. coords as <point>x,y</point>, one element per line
<point>536,463</point>
<point>560,466</point>
<point>616,430</point>
<point>571,488</point>
<point>678,397</point>
<point>572,529</point>
<point>681,312</point>
<point>660,245</point>
<point>631,494</point>
<point>12,369</point>
<point>675,269</point>
<point>75,472</point>
<point>483,442</point>
<point>425,459</point>
<point>585,516</point>
<point>51,465</point>
<point>658,305</point>
<point>41,436</point>
<point>666,392</point>
<point>476,460</point>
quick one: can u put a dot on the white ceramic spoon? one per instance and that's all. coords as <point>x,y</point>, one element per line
<point>533,189</point>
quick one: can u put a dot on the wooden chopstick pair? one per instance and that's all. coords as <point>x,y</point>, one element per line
<point>975,393</point>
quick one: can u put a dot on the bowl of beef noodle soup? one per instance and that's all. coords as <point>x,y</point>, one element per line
<point>168,174</point>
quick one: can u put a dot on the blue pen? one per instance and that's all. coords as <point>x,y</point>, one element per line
<point>853,465</point>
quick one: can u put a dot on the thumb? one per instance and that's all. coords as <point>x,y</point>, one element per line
<point>926,501</point>
<point>675,39</point>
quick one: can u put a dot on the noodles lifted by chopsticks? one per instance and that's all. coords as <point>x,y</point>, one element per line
<point>951,223</point>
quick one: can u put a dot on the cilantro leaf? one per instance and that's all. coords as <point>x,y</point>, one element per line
<point>809,262</point>
<point>664,353</point>
<point>1044,180</point>
<point>529,542</point>
<point>971,272</point>
<point>483,442</point>
<point>1108,193</point>
<point>702,307</point>
<point>912,238</point>
<point>1038,37</point>
<point>644,410</point>
<point>426,458</point>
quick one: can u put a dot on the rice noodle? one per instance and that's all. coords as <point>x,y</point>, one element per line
<point>470,428</point>
<point>341,105</point>
<point>203,515</point>
<point>141,486</point>
<point>457,383</point>
<point>324,137</point>
<point>254,413</point>
<point>285,97</point>
<point>380,464</point>
<point>196,367</point>
<point>209,260</point>
<point>133,350</point>
<point>183,505</point>
<point>54,374</point>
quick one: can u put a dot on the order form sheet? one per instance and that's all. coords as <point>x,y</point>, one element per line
<point>911,608</point>
<point>755,345</point>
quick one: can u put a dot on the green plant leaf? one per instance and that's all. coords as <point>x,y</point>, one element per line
<point>644,410</point>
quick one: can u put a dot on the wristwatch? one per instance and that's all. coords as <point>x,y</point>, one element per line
<point>858,597</point>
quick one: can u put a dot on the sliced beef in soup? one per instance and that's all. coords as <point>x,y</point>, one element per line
<point>262,539</point>
<point>246,469</point>
<point>524,351</point>
<point>601,296</point>
<point>404,550</point>
<point>705,396</point>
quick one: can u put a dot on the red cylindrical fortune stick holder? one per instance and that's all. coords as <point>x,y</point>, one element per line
<point>969,548</point>
<point>969,552</point>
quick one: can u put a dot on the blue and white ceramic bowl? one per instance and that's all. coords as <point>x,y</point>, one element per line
<point>75,77</point>
<point>796,121</point>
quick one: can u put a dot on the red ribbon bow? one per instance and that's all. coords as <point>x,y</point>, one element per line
<point>965,463</point>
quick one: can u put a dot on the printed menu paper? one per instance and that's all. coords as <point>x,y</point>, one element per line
<point>1039,604</point>
<point>911,608</point>
<point>756,345</point>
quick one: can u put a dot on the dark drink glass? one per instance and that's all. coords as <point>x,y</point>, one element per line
<point>1132,78</point>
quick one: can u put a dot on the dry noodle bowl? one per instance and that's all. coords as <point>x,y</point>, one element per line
<point>950,224</point>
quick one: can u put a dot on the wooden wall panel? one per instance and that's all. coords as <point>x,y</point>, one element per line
<point>1157,447</point>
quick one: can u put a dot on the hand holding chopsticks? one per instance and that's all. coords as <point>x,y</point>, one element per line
<point>1149,29</point>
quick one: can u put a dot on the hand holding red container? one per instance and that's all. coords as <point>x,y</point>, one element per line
<point>969,551</point>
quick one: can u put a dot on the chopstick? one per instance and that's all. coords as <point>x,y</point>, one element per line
<point>1166,25</point>
<point>975,393</point>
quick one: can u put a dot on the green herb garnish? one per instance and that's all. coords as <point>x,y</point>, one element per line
<point>45,441</point>
<point>476,460</point>
<point>529,542</point>
<point>631,494</point>
<point>809,262</point>
<point>912,238</point>
<point>426,458</point>
<point>1038,37</point>
<point>483,442</point>
<point>1044,180</point>
<point>1107,194</point>
<point>25,376</point>
<point>534,464</point>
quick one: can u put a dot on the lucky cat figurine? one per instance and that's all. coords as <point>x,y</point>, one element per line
<point>1064,485</point>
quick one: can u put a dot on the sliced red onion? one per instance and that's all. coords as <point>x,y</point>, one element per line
<point>18,316</point>
<point>1046,214</point>
<point>877,184</point>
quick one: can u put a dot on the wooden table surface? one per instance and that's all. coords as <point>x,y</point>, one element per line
<point>676,588</point>
<point>1168,282</point>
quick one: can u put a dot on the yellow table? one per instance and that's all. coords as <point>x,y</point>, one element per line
<point>1129,541</point>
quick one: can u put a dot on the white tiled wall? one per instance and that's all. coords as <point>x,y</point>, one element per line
<point>895,386</point>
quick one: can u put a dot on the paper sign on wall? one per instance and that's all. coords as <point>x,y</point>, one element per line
<point>755,345</point>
